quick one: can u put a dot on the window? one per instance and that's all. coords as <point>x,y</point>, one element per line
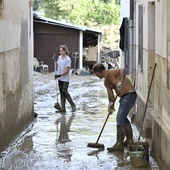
<point>140,37</point>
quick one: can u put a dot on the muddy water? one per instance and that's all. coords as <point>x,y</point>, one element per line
<point>55,141</point>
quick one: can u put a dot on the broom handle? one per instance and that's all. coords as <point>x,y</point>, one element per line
<point>104,124</point>
<point>153,73</point>
<point>103,127</point>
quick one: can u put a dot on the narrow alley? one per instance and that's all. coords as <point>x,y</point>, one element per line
<point>57,141</point>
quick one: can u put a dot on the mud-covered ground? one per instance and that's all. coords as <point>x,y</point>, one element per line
<point>57,141</point>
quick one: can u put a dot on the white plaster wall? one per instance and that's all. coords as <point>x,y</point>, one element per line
<point>145,22</point>
<point>16,70</point>
<point>160,38</point>
<point>125,8</point>
<point>162,92</point>
<point>12,15</point>
<point>161,28</point>
<point>125,12</point>
<point>160,50</point>
<point>142,73</point>
<point>145,25</point>
<point>159,100</point>
<point>151,26</point>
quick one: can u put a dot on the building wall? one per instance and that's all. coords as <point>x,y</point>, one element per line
<point>125,8</point>
<point>143,74</point>
<point>16,76</point>
<point>48,38</point>
<point>156,47</point>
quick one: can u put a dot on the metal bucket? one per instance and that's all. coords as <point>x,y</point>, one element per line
<point>139,154</point>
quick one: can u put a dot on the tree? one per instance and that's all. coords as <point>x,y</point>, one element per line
<point>83,12</point>
<point>36,5</point>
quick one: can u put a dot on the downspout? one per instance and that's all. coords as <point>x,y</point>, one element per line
<point>133,61</point>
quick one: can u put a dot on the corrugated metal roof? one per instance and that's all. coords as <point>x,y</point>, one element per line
<point>63,24</point>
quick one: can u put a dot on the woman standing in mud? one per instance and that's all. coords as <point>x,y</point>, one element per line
<point>63,76</point>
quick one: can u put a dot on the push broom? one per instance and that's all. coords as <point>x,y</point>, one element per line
<point>100,145</point>
<point>56,105</point>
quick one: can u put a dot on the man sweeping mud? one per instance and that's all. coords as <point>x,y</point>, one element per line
<point>115,79</point>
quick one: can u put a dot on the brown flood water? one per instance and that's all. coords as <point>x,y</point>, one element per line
<point>57,141</point>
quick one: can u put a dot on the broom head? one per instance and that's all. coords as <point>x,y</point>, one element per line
<point>57,106</point>
<point>95,145</point>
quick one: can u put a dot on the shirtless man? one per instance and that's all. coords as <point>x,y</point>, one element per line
<point>115,79</point>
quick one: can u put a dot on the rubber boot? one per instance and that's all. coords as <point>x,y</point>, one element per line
<point>63,104</point>
<point>73,106</point>
<point>128,133</point>
<point>120,137</point>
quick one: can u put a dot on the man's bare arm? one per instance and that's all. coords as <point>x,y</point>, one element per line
<point>110,93</point>
<point>122,74</point>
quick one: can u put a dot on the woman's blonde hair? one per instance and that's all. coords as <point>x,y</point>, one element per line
<point>64,47</point>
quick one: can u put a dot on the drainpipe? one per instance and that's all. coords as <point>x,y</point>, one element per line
<point>133,62</point>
